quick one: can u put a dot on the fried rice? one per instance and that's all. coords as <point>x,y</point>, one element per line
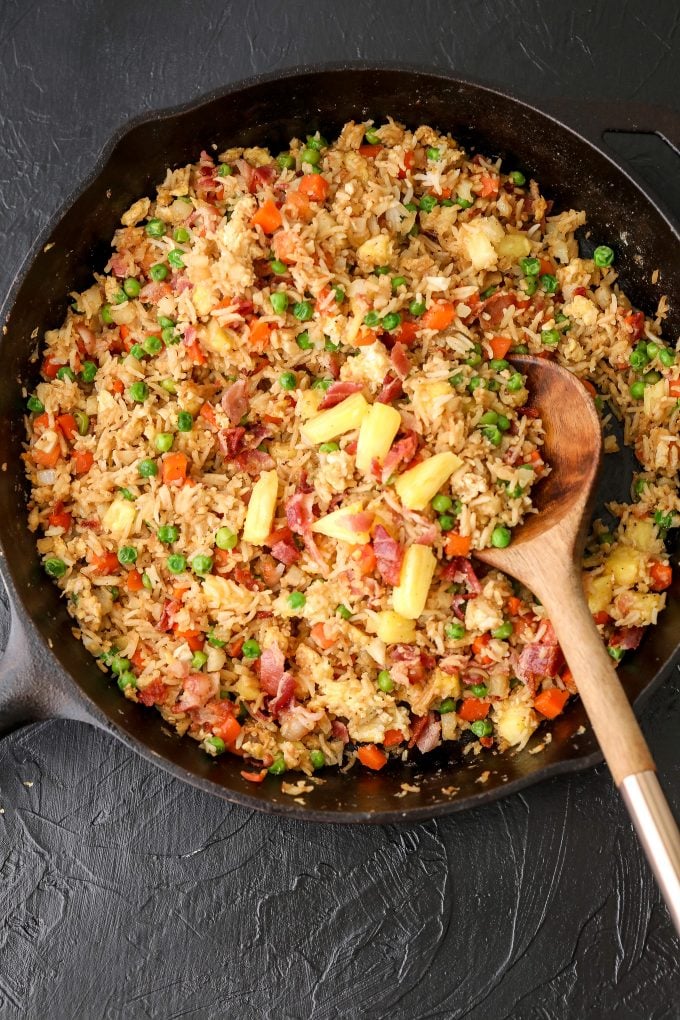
<point>272,432</point>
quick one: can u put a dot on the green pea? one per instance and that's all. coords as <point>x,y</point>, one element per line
<point>66,373</point>
<point>126,679</point>
<point>616,652</point>
<point>105,313</point>
<point>606,538</point>
<point>185,421</point>
<point>213,641</point>
<point>417,308</point>
<point>169,386</point>
<point>433,154</point>
<point>381,270</point>
<point>456,380</point>
<point>278,766</point>
<point>464,203</point>
<point>322,384</point>
<point>475,383</point>
<point>181,235</point>
<point>303,341</point>
<point>296,600</point>
<point>54,567</point>
<point>138,392</point>
<point>176,564</point>
<point>155,228</point>
<point>198,660</point>
<point>147,468</point>
<point>530,266</point>
<point>398,281</point>
<point>518,178</point>
<point>637,390</point>
<point>285,161</point>
<point>454,630</point>
<point>153,345</point>
<point>652,349</point>
<point>501,537</point>
<point>385,681</point>
<point>410,206</point>
<point>251,649</point>
<point>119,664</point>
<point>481,728</point>
<point>503,632</point>
<point>35,406</point>
<point>167,534</point>
<point>603,256</point>
<point>391,322</point>
<point>120,297</point>
<point>279,302</point>
<point>499,364</point>
<point>515,383</point>
<point>311,156</point>
<point>493,434</point>
<point>446,522</point>
<point>127,554</point>
<point>288,381</point>
<point>278,267</point>
<point>164,321</point>
<point>371,135</point>
<point>479,690</point>
<point>88,371</point>
<point>317,759</point>
<point>126,494</point>
<point>666,357</point>
<point>163,441</point>
<point>638,360</point>
<point>441,503</point>
<point>344,612</point>
<point>82,422</point>
<point>303,311</point>
<point>652,377</point>
<point>447,705</point>
<point>158,272</point>
<point>530,285</point>
<point>202,564</point>
<point>371,319</point>
<point>550,337</point>
<point>225,538</point>
<point>175,258</point>
<point>339,295</point>
<point>137,351</point>
<point>169,336</point>
<point>217,744</point>
<point>640,486</point>
<point>548,283</point>
<point>329,447</point>
<point>447,202</point>
<point>427,203</point>
<point>132,287</point>
<point>475,356</point>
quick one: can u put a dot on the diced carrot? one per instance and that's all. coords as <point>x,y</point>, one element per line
<point>268,217</point>
<point>207,412</point>
<point>41,422</point>
<point>236,647</point>
<point>194,638</point>
<point>175,468</point>
<point>297,206</point>
<point>106,563</point>
<point>393,737</point>
<point>370,151</point>
<point>480,643</point>
<point>82,461</point>
<point>439,316</point>
<point>547,267</point>
<point>500,345</point>
<point>228,729</point>
<point>674,387</point>
<point>365,337</point>
<point>409,160</point>
<point>66,424</point>
<point>661,574</point>
<point>50,367</point>
<point>124,332</point>
<point>117,386</point>
<point>285,243</point>
<point>372,757</point>
<point>446,193</point>
<point>551,702</point>
<point>59,518</point>
<point>196,353</point>
<point>222,558</point>
<point>260,332</point>
<point>568,680</point>
<point>322,637</point>
<point>47,458</point>
<point>364,557</point>
<point>489,185</point>
<point>602,618</point>
<point>134,581</point>
<point>179,591</point>
<point>254,777</point>
<point>473,709</point>
<point>137,659</point>
<point>458,545</point>
<point>314,186</point>
<point>514,605</point>
<point>407,332</point>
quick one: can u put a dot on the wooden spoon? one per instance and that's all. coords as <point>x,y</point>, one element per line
<point>545,555</point>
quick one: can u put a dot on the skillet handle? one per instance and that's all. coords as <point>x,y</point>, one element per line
<point>31,688</point>
<point>595,118</point>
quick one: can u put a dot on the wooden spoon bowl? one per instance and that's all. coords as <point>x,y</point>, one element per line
<point>545,555</point>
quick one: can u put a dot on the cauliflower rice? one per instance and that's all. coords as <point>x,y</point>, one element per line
<point>271,433</point>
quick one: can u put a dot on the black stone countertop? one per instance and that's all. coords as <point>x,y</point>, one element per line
<point>124,893</point>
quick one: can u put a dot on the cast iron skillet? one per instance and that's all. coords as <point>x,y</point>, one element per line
<point>46,671</point>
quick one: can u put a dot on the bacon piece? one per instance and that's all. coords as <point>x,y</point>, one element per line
<point>286,552</point>
<point>254,461</point>
<point>627,638</point>
<point>271,666</point>
<point>400,454</point>
<point>338,392</point>
<point>151,293</point>
<point>389,555</point>
<point>284,694</point>
<point>235,400</point>
<point>429,736</point>
<point>300,518</point>
<point>460,571</point>
<point>429,536</point>
<point>198,688</point>
<point>391,389</point>
<point>119,264</point>
<point>167,619</point>
<point>339,731</point>
<point>399,358</point>
<point>496,305</point>
<point>153,694</point>
<point>412,661</point>
<point>268,570</point>
<point>537,662</point>
<point>231,440</point>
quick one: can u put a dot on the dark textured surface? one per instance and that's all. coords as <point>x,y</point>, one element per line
<point>125,894</point>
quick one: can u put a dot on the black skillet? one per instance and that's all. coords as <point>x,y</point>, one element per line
<point>46,671</point>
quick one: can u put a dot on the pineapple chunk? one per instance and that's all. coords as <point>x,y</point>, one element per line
<point>515,719</point>
<point>377,251</point>
<point>330,424</point>
<point>449,726</point>
<point>203,297</point>
<point>119,518</point>
<point>218,340</point>
<point>599,592</point>
<point>624,564</point>
<point>336,525</point>
<point>217,591</point>
<point>377,431</point>
<point>308,403</point>
<point>513,246</point>
<point>478,239</point>
<point>416,487</point>
<point>417,571</point>
<point>248,688</point>
<point>646,605</point>
<point>394,629</point>
<point>261,509</point>
<point>642,534</point>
